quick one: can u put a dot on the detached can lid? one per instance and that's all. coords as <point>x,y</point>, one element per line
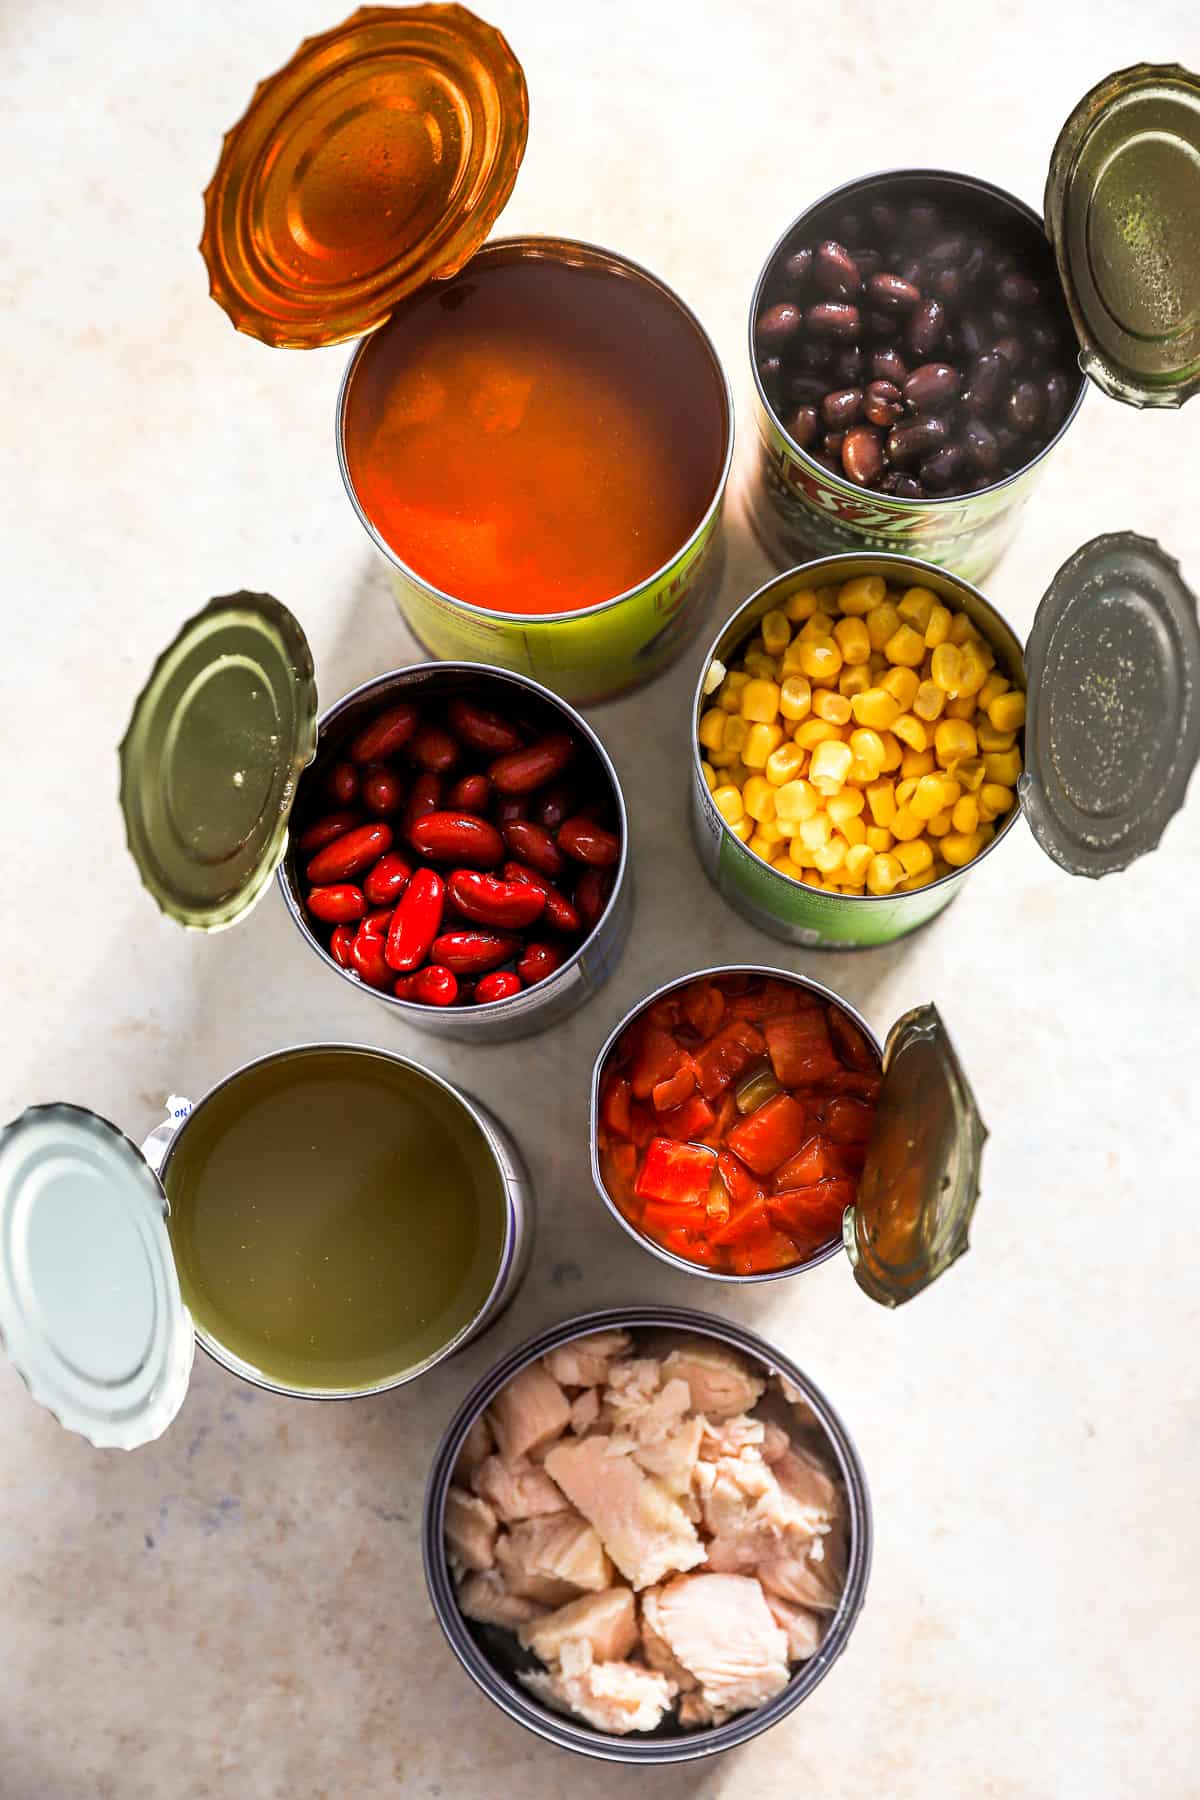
<point>920,1182</point>
<point>378,159</point>
<point>90,1310</point>
<point>1112,728</point>
<point>1121,206</point>
<point>211,758</point>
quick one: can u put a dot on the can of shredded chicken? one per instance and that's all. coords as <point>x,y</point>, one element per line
<point>492,1658</point>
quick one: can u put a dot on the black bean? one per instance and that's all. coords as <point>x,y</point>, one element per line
<point>842,408</point>
<point>1012,350</point>
<point>832,443</point>
<point>1044,340</point>
<point>911,269</point>
<point>974,265</point>
<point>1019,290</point>
<point>909,442</point>
<point>1003,323</point>
<point>979,442</point>
<point>778,323</point>
<point>887,364</point>
<point>832,318</point>
<point>986,383</point>
<point>1025,406</point>
<point>925,327</point>
<point>1059,391</point>
<point>947,284</point>
<point>938,471</point>
<point>814,353</point>
<point>931,387</point>
<point>834,272</point>
<point>862,455</point>
<point>1007,439</point>
<point>805,389</point>
<point>922,220</point>
<point>770,370</point>
<point>883,219</point>
<point>883,325</point>
<point>882,403</point>
<point>848,365</point>
<point>827,461</point>
<point>970,338</point>
<point>804,426</point>
<point>890,293</point>
<point>798,266</point>
<point>903,486</point>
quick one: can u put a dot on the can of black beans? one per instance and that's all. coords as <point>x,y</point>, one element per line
<point>914,365</point>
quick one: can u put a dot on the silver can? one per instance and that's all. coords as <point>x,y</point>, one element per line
<point>589,966</point>
<point>798,507</point>
<point>490,1662</point>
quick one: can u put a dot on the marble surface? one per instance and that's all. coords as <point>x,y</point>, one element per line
<point>238,1609</point>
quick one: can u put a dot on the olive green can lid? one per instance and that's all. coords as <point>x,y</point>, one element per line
<point>1122,207</point>
<point>91,1315</point>
<point>212,755</point>
<point>920,1182</point>
<point>1112,727</point>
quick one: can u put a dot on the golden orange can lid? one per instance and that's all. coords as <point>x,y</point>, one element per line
<point>378,159</point>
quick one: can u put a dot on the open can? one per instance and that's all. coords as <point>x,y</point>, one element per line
<point>352,201</point>
<point>114,1262</point>
<point>1120,203</point>
<point>919,1184</point>
<point>1112,731</point>
<point>492,1657</point>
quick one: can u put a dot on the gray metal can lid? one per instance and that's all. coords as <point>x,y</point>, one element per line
<point>91,1314</point>
<point>1112,731</point>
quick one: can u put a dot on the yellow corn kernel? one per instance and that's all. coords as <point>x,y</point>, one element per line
<point>785,763</point>
<point>852,640</point>
<point>1002,767</point>
<point>911,732</point>
<point>879,838</point>
<point>893,751</point>
<point>814,832</point>
<point>819,626</point>
<point>968,771</point>
<point>953,738</point>
<point>811,732</point>
<point>906,826</point>
<point>951,789</point>
<point>736,733</point>
<point>939,825</point>
<point>711,730</point>
<point>914,857</point>
<point>758,798</point>
<point>862,594</point>
<point>882,622</point>
<point>760,701</point>
<point>974,671</point>
<point>760,846</point>
<point>913,882</point>
<point>729,694</point>
<point>992,740</point>
<point>854,830</point>
<point>868,750</point>
<point>776,632</point>
<point>709,774</point>
<point>770,833</point>
<point>945,668</point>
<point>729,803</point>
<point>929,701</point>
<point>902,685</point>
<point>961,628</point>
<point>831,706</point>
<point>876,708</point>
<point>754,643</point>
<point>828,596</point>
<point>1006,712</point>
<point>783,865</point>
<point>789,662</point>
<point>916,762</point>
<point>796,801</point>
<point>965,817</point>
<point>928,799</point>
<point>830,766</point>
<point>906,646</point>
<point>846,805</point>
<point>742,828</point>
<point>820,658</point>
<point>760,742</point>
<point>997,798</point>
<point>993,687</point>
<point>916,606</point>
<point>854,680</point>
<point>883,874</point>
<point>881,798</point>
<point>858,861</point>
<point>959,847</point>
<point>906,789</point>
<point>830,857</point>
<point>795,698</point>
<point>962,706</point>
<point>738,773</point>
<point>761,666</point>
<point>937,626</point>
<point>877,664</point>
<point>801,605</point>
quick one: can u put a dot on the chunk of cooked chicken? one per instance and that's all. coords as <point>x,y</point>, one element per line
<point>584,1362</point>
<point>808,1580</point>
<point>585,1410</point>
<point>720,1629</point>
<point>516,1490</point>
<point>471,1527</point>
<point>607,1621</point>
<point>645,1531</point>
<point>616,1697</point>
<point>672,1459</point>
<point>484,1597</point>
<point>553,1559</point>
<point>531,1411</point>
<point>802,1628</point>
<point>721,1382</point>
<point>477,1444</point>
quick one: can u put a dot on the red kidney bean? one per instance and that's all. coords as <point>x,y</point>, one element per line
<point>778,323</point>
<point>584,841</point>
<point>537,961</point>
<point>349,854</point>
<point>458,837</point>
<point>513,806</point>
<point>1011,349</point>
<point>481,728</point>
<point>970,338</point>
<point>832,319</point>
<point>388,732</point>
<point>474,952</point>
<point>1024,406</point>
<point>323,831</point>
<point>416,920</point>
<point>434,750</point>
<point>336,905</point>
<point>848,365</point>
<point>341,783</point>
<point>424,796</point>
<point>882,403</point>
<point>381,790</point>
<point>489,900</point>
<point>560,915</point>
<point>926,325</point>
<point>931,387</point>
<point>947,285</point>
<point>523,770</point>
<point>882,327</point>
<point>555,804</point>
<point>834,271</point>
<point>798,266</point>
<point>804,426</point>
<point>862,454</point>
<point>922,219</point>
<point>339,945</point>
<point>377,923</point>
<point>882,215</point>
<point>888,365</point>
<point>502,984</point>
<point>951,247</point>
<point>841,408</point>
<point>890,293</point>
<point>534,845</point>
<point>384,884</point>
<point>908,443</point>
<point>592,891</point>
<point>435,985</point>
<point>367,957</point>
<point>987,383</point>
<point>472,794</point>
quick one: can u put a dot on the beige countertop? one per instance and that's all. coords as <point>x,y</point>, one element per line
<point>238,1610</point>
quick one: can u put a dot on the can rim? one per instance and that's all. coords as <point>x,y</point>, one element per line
<point>892,559</point>
<point>235,1365</point>
<point>553,249</point>
<point>709,1740</point>
<point>412,1009</point>
<point>827,1250</point>
<point>845,189</point>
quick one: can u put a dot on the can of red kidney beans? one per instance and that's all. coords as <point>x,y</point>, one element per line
<point>492,1658</point>
<point>798,507</point>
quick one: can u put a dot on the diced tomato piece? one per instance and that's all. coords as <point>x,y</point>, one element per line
<point>772,1000</point>
<point>618,1165</point>
<point>742,1224</point>
<point>766,1250</point>
<point>799,1047</point>
<point>642,1123</point>
<point>664,1215</point>
<point>726,1115</point>
<point>667,1012</point>
<point>679,1173</point>
<point>655,1056</point>
<point>615,1115</point>
<point>853,1081</point>
<point>703,1007</point>
<point>676,1088</point>
<point>694,1249</point>
<point>850,1043</point>
<point>691,1121</point>
<point>737,1178</point>
<point>812,1162</point>
<point>770,1134</point>
<point>848,1121</point>
<point>813,1213</point>
<point>727,1055</point>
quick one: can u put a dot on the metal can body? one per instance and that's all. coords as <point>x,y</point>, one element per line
<point>799,508</point>
<point>672,1744</point>
<point>598,651</point>
<point>580,975</point>
<point>775,903</point>
<point>517,1195</point>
